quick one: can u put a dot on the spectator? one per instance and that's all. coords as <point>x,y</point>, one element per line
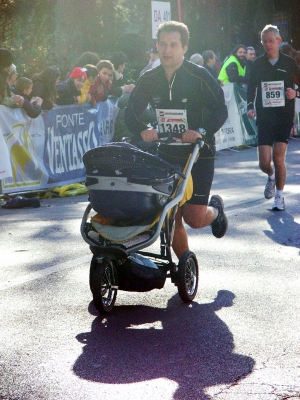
<point>154,60</point>
<point>44,86</point>
<point>250,57</point>
<point>88,57</point>
<point>297,57</point>
<point>209,59</point>
<point>24,88</point>
<point>118,87</point>
<point>100,89</point>
<point>287,49</point>
<point>68,91</point>
<point>209,62</point>
<point>12,77</point>
<point>197,59</point>
<point>250,53</point>
<point>234,68</point>
<point>6,97</point>
<point>91,73</point>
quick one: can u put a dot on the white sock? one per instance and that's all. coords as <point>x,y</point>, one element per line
<point>217,213</point>
<point>272,176</point>
<point>279,193</point>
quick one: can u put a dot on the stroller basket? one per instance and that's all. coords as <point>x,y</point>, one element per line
<point>127,185</point>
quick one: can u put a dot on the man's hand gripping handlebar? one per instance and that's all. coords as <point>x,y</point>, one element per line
<point>189,136</point>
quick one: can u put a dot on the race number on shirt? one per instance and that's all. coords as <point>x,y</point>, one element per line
<point>171,121</point>
<point>273,94</point>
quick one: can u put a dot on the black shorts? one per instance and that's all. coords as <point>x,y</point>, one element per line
<point>202,174</point>
<point>269,132</point>
<point>202,171</point>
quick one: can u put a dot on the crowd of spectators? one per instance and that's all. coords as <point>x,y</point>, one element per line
<point>92,79</point>
<point>236,67</point>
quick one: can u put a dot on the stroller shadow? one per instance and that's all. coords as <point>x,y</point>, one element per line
<point>192,347</point>
<point>284,229</point>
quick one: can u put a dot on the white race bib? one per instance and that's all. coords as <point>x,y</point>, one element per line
<point>273,94</point>
<point>171,121</point>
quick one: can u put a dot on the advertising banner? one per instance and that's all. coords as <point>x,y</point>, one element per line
<point>237,130</point>
<point>297,117</point>
<point>248,126</point>
<point>47,151</point>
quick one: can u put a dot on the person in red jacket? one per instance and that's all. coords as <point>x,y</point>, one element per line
<point>100,89</point>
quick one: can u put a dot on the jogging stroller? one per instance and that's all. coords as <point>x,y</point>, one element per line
<point>133,199</point>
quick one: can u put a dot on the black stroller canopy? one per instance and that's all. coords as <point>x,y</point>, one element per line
<point>120,155</point>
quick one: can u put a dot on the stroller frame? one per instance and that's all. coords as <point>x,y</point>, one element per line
<point>108,257</point>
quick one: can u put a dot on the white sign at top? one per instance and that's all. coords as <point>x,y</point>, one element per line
<point>161,12</point>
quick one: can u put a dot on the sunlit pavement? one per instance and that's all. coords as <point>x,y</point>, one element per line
<point>238,340</point>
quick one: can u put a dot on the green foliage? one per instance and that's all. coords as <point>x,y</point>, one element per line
<point>26,28</point>
<point>57,32</point>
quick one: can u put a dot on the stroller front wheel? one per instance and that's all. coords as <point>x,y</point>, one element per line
<point>103,284</point>
<point>188,275</point>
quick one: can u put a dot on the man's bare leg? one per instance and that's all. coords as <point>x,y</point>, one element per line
<point>265,159</point>
<point>265,164</point>
<point>279,153</point>
<point>180,239</point>
<point>196,216</point>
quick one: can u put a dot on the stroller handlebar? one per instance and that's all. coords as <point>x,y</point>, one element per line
<point>168,137</point>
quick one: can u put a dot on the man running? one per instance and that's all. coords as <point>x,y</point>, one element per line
<point>178,84</point>
<point>272,80</point>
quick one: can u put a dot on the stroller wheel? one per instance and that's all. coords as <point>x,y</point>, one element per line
<point>103,284</point>
<point>187,276</point>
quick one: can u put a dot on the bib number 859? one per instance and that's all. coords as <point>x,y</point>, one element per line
<point>273,95</point>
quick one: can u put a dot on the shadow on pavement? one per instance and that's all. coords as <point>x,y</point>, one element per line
<point>193,347</point>
<point>284,229</point>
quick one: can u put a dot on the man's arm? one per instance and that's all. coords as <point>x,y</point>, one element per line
<point>137,104</point>
<point>296,79</point>
<point>233,74</point>
<point>215,112</point>
<point>251,92</point>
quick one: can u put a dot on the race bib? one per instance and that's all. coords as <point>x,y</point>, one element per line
<point>171,121</point>
<point>273,94</point>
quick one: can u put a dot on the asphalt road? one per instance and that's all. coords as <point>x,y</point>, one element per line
<point>238,340</point>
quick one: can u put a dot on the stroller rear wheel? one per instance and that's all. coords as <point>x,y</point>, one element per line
<point>187,276</point>
<point>103,284</point>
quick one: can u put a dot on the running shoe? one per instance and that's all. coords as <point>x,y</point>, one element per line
<point>220,224</point>
<point>270,189</point>
<point>279,204</point>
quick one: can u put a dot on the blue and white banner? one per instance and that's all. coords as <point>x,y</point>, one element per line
<point>47,151</point>
<point>238,129</point>
<point>41,153</point>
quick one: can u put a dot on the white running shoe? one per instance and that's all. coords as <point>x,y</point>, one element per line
<point>278,203</point>
<point>270,189</point>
